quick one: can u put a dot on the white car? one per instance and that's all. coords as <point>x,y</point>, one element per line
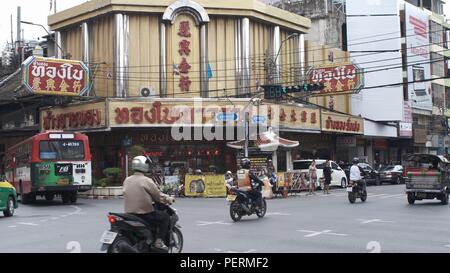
<point>338,177</point>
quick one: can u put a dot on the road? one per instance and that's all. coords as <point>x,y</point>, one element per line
<point>318,223</point>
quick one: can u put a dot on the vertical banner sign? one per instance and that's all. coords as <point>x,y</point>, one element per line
<point>405,126</point>
<point>418,57</point>
<point>185,52</point>
<point>47,76</point>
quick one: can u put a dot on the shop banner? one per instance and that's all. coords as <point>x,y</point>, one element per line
<point>75,118</point>
<point>184,112</point>
<point>205,185</point>
<point>332,122</point>
<point>61,77</point>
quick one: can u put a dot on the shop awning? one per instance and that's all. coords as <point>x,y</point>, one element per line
<point>267,141</point>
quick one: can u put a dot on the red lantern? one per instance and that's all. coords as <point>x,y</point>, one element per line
<point>216,152</point>
<point>208,152</point>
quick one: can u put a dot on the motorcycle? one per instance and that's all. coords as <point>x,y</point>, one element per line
<point>131,234</point>
<point>241,204</point>
<point>356,189</point>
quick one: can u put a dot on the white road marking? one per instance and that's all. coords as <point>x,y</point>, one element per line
<point>12,226</point>
<point>277,213</point>
<point>367,221</point>
<point>447,245</point>
<point>205,223</point>
<point>232,251</point>
<point>377,195</point>
<point>54,218</point>
<point>43,220</point>
<point>27,223</point>
<point>392,195</point>
<point>316,233</point>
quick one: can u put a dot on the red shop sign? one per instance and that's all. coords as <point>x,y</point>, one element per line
<point>338,78</point>
<point>55,76</point>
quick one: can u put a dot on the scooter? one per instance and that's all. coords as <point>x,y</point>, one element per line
<point>356,189</point>
<point>242,204</point>
<point>131,234</point>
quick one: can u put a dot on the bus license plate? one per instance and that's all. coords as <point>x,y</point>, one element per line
<point>108,237</point>
<point>63,181</point>
<point>231,197</point>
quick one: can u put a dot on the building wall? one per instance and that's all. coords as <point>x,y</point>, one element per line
<point>102,60</point>
<point>317,55</point>
<point>221,56</point>
<point>144,54</point>
<point>260,37</point>
<point>72,44</point>
<point>289,68</point>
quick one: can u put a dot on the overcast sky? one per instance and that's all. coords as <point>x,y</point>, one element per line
<point>36,11</point>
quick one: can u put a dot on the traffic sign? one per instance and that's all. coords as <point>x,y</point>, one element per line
<point>227,116</point>
<point>259,119</point>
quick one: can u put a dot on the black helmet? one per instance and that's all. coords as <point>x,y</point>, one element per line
<point>355,160</point>
<point>245,163</point>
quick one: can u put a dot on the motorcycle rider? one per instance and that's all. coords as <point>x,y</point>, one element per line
<point>256,184</point>
<point>355,173</point>
<point>140,192</point>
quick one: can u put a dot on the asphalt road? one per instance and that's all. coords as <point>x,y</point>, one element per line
<point>318,223</point>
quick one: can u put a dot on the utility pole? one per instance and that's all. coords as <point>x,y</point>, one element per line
<point>247,129</point>
<point>12,37</point>
<point>18,40</point>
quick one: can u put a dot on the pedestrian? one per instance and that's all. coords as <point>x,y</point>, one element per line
<point>327,175</point>
<point>312,177</point>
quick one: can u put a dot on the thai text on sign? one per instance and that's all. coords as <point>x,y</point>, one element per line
<point>338,78</point>
<point>55,76</point>
<point>342,123</point>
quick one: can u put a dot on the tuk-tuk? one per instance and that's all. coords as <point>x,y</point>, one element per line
<point>427,177</point>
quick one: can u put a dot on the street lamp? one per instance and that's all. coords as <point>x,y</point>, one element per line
<point>279,51</point>
<point>49,35</point>
<point>282,42</point>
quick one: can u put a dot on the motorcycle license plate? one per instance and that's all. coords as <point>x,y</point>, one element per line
<point>108,237</point>
<point>349,189</point>
<point>231,197</point>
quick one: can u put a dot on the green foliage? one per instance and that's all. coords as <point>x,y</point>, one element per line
<point>104,182</point>
<point>112,172</point>
<point>135,150</point>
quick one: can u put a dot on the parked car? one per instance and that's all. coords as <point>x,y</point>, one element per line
<point>392,173</point>
<point>338,177</point>
<point>370,175</point>
<point>8,198</point>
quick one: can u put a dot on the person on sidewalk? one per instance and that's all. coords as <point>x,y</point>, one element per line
<point>312,177</point>
<point>327,175</point>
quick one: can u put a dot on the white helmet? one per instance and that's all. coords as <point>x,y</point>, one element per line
<point>141,164</point>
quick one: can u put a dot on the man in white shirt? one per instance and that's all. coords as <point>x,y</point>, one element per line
<point>355,173</point>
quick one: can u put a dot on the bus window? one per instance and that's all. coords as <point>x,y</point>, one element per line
<point>61,150</point>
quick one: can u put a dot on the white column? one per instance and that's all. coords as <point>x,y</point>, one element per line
<point>85,41</point>
<point>58,41</point>
<point>288,161</point>
<point>275,161</point>
<point>121,54</point>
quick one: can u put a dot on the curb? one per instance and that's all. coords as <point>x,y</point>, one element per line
<point>100,197</point>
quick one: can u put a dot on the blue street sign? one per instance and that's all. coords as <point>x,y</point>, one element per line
<point>259,119</point>
<point>226,116</point>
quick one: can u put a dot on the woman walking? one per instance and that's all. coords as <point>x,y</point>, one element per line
<point>312,177</point>
<point>327,175</point>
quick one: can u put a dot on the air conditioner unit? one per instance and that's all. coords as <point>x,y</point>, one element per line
<point>147,91</point>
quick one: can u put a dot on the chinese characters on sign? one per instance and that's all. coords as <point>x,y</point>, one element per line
<point>184,49</point>
<point>338,78</point>
<point>55,77</point>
